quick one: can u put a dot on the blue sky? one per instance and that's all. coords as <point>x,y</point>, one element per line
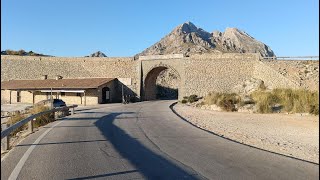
<point>125,28</point>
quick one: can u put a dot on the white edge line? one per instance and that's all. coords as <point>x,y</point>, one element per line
<point>15,173</point>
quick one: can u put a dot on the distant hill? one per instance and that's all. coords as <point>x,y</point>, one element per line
<point>189,39</point>
<point>21,53</point>
<point>97,54</point>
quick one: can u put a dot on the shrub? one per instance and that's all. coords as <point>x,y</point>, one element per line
<point>16,118</point>
<point>314,109</point>
<point>192,98</point>
<point>291,100</point>
<point>184,101</point>
<point>226,101</point>
<point>265,101</point>
<point>43,119</point>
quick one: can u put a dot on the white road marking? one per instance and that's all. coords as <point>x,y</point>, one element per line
<point>15,173</point>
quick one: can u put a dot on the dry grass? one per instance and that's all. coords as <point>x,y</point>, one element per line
<point>291,100</point>
<point>226,101</point>
<point>43,119</point>
<point>16,118</point>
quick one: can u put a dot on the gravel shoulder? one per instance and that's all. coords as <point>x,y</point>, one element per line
<point>289,134</point>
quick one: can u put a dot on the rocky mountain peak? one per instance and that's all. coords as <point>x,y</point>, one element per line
<point>189,39</point>
<point>187,27</point>
<point>98,54</point>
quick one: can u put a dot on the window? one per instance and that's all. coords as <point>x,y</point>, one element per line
<point>63,93</point>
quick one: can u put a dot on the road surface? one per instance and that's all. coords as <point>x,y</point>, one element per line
<point>143,140</point>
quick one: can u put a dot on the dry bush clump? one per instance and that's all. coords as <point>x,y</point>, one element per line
<point>43,119</point>
<point>16,118</point>
<point>226,101</point>
<point>286,100</point>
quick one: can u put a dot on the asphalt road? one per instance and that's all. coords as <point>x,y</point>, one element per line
<point>141,141</point>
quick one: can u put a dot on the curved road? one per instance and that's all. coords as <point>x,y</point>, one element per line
<point>144,140</point>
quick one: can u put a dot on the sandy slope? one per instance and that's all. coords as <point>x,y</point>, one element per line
<point>292,135</point>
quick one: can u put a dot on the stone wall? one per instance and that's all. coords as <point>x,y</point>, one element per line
<point>219,73</point>
<point>304,73</point>
<point>272,79</point>
<point>29,67</point>
<point>197,74</point>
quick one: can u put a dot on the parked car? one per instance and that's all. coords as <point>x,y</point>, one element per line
<point>56,103</point>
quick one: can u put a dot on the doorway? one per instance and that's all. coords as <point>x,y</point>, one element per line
<point>105,95</point>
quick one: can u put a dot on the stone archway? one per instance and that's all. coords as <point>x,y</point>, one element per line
<point>161,82</point>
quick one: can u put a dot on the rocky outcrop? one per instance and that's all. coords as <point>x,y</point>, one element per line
<point>189,39</point>
<point>97,54</point>
<point>235,40</point>
<point>249,86</point>
<point>22,53</point>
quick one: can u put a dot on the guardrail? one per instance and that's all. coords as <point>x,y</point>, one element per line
<point>10,129</point>
<point>292,58</point>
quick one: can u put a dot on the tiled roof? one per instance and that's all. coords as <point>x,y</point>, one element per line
<point>85,83</point>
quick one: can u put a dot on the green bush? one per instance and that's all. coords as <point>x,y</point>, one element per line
<point>192,98</point>
<point>184,101</point>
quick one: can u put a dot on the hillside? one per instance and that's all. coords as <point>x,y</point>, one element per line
<point>21,53</point>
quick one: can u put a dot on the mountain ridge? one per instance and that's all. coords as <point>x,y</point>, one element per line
<point>189,39</point>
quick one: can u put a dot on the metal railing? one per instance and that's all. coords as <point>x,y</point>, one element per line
<point>6,132</point>
<point>292,58</point>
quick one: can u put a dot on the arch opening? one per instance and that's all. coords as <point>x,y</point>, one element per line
<point>161,83</point>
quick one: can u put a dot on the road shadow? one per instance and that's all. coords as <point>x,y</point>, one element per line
<point>147,162</point>
<point>104,175</point>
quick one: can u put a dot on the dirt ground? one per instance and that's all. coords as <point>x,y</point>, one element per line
<point>295,135</point>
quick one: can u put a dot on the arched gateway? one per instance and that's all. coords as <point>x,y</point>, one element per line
<point>161,82</point>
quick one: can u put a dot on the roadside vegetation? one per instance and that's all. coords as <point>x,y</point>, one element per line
<point>264,101</point>
<point>190,99</point>
<point>16,118</point>
<point>40,121</point>
<point>43,119</point>
<point>289,100</point>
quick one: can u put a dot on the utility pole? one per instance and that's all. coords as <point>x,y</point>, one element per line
<point>122,94</point>
<point>51,101</point>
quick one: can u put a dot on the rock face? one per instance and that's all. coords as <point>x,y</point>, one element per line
<point>189,39</point>
<point>249,86</point>
<point>22,53</point>
<point>98,54</point>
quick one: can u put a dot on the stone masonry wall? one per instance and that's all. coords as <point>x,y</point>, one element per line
<point>272,79</point>
<point>220,73</point>
<point>305,73</point>
<point>198,74</point>
<point>29,67</point>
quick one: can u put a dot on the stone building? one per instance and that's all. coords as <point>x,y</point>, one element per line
<point>84,91</point>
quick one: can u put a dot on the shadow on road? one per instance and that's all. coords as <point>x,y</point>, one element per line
<point>104,175</point>
<point>147,162</point>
